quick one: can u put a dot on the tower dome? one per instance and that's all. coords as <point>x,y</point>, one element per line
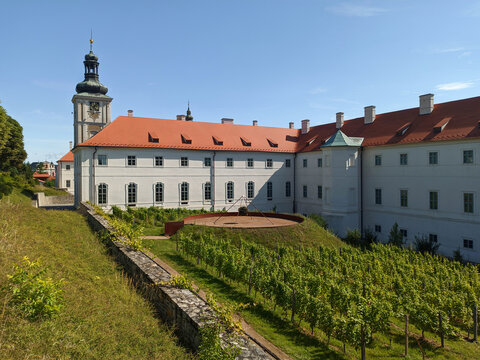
<point>91,84</point>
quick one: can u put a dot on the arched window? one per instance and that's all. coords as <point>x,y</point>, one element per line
<point>159,192</point>
<point>184,193</point>
<point>230,193</point>
<point>132,194</point>
<point>207,191</point>
<point>102,194</point>
<point>250,189</point>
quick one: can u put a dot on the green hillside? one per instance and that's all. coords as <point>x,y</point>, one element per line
<point>103,316</point>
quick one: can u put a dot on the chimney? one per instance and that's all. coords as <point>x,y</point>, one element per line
<point>130,113</point>
<point>426,104</point>
<point>227,121</point>
<point>305,126</point>
<point>369,114</point>
<point>70,143</point>
<point>291,125</point>
<point>181,117</point>
<point>255,123</point>
<point>339,120</point>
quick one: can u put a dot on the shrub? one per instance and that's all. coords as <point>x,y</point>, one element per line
<point>395,237</point>
<point>132,235</point>
<point>211,346</point>
<point>354,237</point>
<point>319,220</point>
<point>242,211</point>
<point>457,256</point>
<point>424,244</point>
<point>35,295</point>
<point>6,185</point>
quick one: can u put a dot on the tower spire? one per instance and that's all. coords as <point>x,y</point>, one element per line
<point>189,116</point>
<point>91,40</point>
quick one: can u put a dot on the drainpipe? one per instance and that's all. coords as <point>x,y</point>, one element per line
<point>93,201</point>
<point>361,189</point>
<point>294,184</point>
<point>213,181</point>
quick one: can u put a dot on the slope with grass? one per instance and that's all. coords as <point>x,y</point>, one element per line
<point>103,316</point>
<point>305,234</point>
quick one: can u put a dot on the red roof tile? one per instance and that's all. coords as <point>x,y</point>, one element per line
<point>67,157</point>
<point>458,119</point>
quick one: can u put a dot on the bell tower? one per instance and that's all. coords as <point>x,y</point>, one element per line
<point>91,105</point>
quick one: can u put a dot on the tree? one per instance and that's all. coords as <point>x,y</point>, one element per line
<point>426,244</point>
<point>395,237</point>
<point>12,152</point>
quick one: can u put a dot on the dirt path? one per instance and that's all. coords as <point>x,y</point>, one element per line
<point>249,331</point>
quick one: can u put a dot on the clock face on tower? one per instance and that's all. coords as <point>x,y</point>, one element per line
<point>94,106</point>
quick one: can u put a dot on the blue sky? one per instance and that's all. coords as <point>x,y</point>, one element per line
<point>274,61</point>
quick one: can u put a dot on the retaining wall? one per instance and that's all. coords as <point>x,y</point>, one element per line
<point>181,308</point>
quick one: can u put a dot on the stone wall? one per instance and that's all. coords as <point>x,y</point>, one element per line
<point>181,308</point>
<point>43,200</point>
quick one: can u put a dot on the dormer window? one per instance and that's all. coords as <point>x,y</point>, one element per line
<point>217,140</point>
<point>272,143</point>
<point>310,141</point>
<point>441,125</point>
<point>186,139</point>
<point>152,137</point>
<point>246,142</point>
<point>403,130</point>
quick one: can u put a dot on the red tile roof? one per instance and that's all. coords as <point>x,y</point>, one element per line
<point>42,177</point>
<point>454,120</point>
<point>67,157</point>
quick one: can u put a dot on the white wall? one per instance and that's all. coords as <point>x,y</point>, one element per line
<point>64,174</point>
<point>117,175</point>
<point>450,178</point>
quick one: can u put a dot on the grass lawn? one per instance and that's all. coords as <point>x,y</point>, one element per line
<point>103,315</point>
<point>292,339</point>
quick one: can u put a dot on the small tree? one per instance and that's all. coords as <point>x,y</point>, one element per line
<point>40,168</point>
<point>424,244</point>
<point>395,237</point>
<point>457,256</point>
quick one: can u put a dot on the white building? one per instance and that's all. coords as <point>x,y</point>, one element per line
<point>65,178</point>
<point>418,167</point>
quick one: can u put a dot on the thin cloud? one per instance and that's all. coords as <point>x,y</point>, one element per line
<point>317,90</point>
<point>455,85</point>
<point>356,10</point>
<point>449,50</point>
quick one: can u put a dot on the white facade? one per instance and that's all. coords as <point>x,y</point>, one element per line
<point>171,168</point>
<point>65,176</point>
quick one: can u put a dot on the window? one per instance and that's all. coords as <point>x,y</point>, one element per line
<point>433,158</point>
<point>378,196</point>
<point>404,233</point>
<point>319,162</point>
<point>433,237</point>
<point>269,163</point>
<point>230,193</point>
<point>320,191</point>
<point>132,194</point>
<point>158,192</point>
<point>403,159</point>
<point>468,243</point>
<point>378,228</point>
<point>184,192</point>
<point>468,203</point>
<point>67,167</point>
<point>184,161</point>
<point>102,193</point>
<point>404,198</point>
<point>269,190</point>
<point>250,163</point>
<point>288,189</point>
<point>229,162</point>
<point>468,156</point>
<point>67,183</point>
<point>131,160</point>
<point>207,191</point>
<point>305,191</point>
<point>102,160</point>
<point>287,163</point>
<point>305,163</point>
<point>250,189</point>
<point>158,160</point>
<point>378,160</point>
<point>433,200</point>
<point>207,162</point>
